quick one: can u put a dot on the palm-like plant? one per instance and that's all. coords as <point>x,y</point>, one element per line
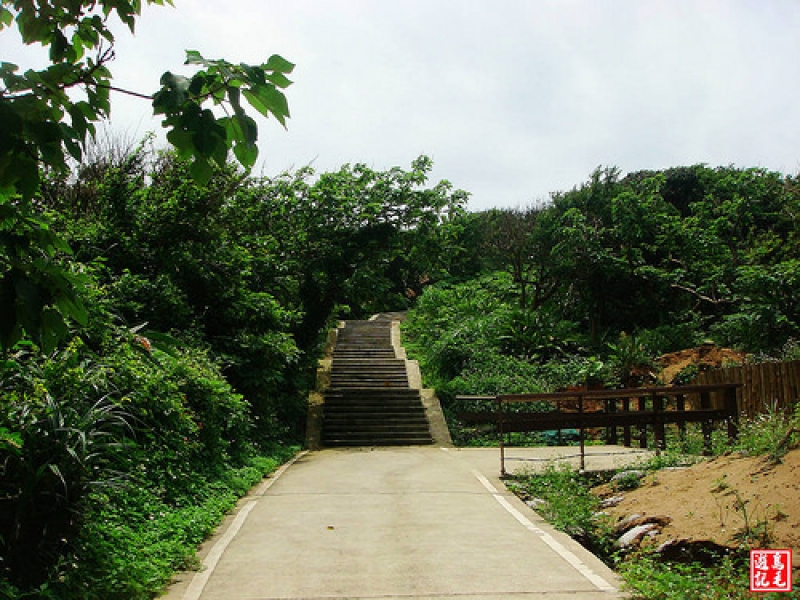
<point>63,450</point>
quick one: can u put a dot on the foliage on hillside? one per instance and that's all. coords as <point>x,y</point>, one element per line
<point>596,284</point>
<point>205,307</point>
<point>160,313</point>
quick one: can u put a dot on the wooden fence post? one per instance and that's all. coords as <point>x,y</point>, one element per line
<point>611,431</point>
<point>680,406</point>
<point>642,428</point>
<point>626,430</point>
<point>705,403</point>
<point>658,424</point>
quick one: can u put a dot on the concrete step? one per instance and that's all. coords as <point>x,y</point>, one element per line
<point>344,362</point>
<point>369,401</point>
<point>372,418</point>
<point>372,394</point>
<point>343,346</point>
<point>365,373</point>
<point>344,411</point>
<point>366,351</point>
<point>379,440</point>
<point>361,370</point>
<point>376,425</point>
<point>370,381</point>
<point>344,403</point>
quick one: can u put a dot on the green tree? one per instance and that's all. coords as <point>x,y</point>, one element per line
<point>47,117</point>
<point>356,240</point>
<point>522,242</point>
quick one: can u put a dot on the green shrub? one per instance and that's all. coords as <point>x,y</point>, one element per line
<point>134,539</point>
<point>771,434</point>
<point>75,424</point>
<point>647,577</point>
<point>65,437</point>
<point>570,506</point>
<point>670,338</point>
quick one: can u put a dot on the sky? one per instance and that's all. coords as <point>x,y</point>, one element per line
<point>512,99</point>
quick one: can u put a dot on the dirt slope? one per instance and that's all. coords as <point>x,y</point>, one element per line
<point>707,356</point>
<point>722,499</point>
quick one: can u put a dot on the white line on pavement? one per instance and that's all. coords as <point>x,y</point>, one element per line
<point>200,578</point>
<point>548,539</point>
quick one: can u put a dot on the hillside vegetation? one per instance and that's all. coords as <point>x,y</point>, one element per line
<point>198,310</point>
<point>597,283</point>
<point>127,432</point>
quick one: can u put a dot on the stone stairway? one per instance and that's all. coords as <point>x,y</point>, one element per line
<point>368,401</point>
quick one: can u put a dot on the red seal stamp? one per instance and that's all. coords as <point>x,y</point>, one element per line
<point>770,570</point>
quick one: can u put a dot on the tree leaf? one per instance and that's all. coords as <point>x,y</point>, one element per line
<point>267,99</point>
<point>279,79</point>
<point>53,329</point>
<point>279,64</point>
<point>201,170</point>
<point>73,309</point>
<point>193,57</point>
<point>6,18</point>
<point>181,140</point>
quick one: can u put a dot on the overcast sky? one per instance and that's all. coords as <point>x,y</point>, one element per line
<point>513,99</point>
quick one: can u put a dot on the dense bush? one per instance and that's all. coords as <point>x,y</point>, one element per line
<point>83,422</point>
<point>592,287</point>
<point>613,273</point>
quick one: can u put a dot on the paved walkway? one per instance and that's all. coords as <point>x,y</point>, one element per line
<point>421,522</point>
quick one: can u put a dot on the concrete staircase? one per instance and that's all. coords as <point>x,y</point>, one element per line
<point>368,401</point>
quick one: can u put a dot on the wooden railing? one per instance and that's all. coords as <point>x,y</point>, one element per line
<point>612,410</point>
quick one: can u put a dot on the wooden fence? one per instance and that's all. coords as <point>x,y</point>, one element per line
<point>765,386</point>
<point>640,408</point>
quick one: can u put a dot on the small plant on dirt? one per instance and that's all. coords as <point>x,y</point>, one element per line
<point>771,434</point>
<point>756,532</point>
<point>629,480</point>
<point>720,484</point>
<point>779,514</point>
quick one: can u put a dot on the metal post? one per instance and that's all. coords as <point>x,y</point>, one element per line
<point>500,429</point>
<point>580,432</point>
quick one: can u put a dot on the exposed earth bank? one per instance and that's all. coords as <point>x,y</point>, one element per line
<point>727,500</point>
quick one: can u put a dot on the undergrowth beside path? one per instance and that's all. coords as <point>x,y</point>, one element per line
<point>571,501</point>
<point>133,539</point>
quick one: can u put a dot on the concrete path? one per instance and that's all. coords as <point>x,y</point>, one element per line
<point>419,522</point>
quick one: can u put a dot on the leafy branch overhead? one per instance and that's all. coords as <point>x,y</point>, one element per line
<point>197,132</point>
<point>43,123</point>
<point>48,116</point>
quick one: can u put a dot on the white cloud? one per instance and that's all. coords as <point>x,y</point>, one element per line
<point>513,99</point>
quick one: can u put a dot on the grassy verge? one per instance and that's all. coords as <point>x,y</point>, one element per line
<point>134,539</point>
<point>563,497</point>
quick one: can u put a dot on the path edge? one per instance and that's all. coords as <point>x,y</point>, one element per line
<point>189,585</point>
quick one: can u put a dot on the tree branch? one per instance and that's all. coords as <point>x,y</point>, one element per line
<point>700,296</point>
<point>126,92</point>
